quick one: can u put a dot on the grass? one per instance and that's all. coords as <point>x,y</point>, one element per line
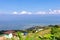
<point>50,33</point>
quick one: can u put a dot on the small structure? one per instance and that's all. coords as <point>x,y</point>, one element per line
<point>9,33</point>
<point>39,30</point>
<point>25,33</point>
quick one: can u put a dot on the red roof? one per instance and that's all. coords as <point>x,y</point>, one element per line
<point>9,31</point>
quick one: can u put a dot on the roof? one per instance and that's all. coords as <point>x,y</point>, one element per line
<point>9,31</point>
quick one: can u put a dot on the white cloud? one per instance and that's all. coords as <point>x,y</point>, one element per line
<point>22,12</point>
<point>25,12</point>
<point>50,11</point>
<point>41,12</point>
<point>58,11</point>
<point>29,12</point>
<point>54,11</point>
<point>15,12</point>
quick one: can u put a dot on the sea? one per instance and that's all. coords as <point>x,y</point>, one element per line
<point>22,22</point>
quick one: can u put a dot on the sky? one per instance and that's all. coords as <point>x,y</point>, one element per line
<point>29,7</point>
<point>28,12</point>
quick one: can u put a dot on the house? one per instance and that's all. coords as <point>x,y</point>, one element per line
<point>39,30</point>
<point>9,33</point>
<point>25,33</point>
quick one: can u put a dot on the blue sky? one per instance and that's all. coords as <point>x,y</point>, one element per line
<point>34,9</point>
<point>29,6</point>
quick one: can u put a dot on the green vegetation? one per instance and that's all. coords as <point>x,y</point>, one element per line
<point>51,32</point>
